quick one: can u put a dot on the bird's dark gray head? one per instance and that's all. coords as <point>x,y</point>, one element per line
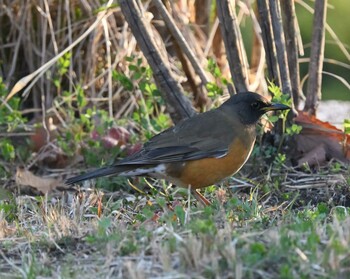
<point>250,106</point>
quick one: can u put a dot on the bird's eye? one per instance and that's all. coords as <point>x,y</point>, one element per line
<point>255,105</point>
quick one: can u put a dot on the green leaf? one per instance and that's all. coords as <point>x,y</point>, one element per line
<point>347,126</point>
<point>82,102</point>
<point>130,58</point>
<point>7,150</point>
<point>180,213</point>
<point>133,68</point>
<point>294,129</point>
<point>273,118</point>
<point>123,79</point>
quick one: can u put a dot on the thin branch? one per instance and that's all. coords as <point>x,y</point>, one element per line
<point>184,46</point>
<point>34,76</point>
<point>278,34</point>
<point>289,24</point>
<point>233,43</point>
<point>268,39</point>
<point>316,57</point>
<point>202,8</point>
<point>329,29</point>
<point>109,67</point>
<point>178,105</point>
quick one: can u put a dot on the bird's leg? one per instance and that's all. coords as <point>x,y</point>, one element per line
<point>199,197</point>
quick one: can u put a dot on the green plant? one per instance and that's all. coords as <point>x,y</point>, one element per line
<point>8,205</point>
<point>215,89</point>
<point>11,119</point>
<point>274,152</point>
<point>281,98</point>
<point>346,126</point>
<point>149,114</point>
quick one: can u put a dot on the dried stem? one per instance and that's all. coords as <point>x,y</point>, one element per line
<point>278,34</point>
<point>268,40</point>
<point>202,8</point>
<point>233,43</point>
<point>316,58</point>
<point>184,46</point>
<point>178,105</point>
<point>289,24</point>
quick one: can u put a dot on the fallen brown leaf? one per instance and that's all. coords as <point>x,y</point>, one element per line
<point>27,178</point>
<point>319,141</point>
<point>6,230</point>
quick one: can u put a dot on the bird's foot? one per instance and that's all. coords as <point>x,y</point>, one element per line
<point>199,197</point>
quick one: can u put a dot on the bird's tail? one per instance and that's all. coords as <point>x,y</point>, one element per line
<point>115,170</point>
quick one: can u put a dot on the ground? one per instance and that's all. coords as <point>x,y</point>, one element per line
<point>286,223</point>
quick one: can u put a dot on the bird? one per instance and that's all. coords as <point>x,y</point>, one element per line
<point>199,151</point>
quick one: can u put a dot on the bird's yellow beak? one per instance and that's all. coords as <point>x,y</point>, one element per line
<point>273,106</point>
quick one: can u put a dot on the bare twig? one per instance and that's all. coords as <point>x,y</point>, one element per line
<point>16,48</point>
<point>70,39</point>
<point>278,34</point>
<point>202,8</point>
<point>233,43</point>
<point>210,39</point>
<point>327,60</point>
<point>178,106</point>
<point>34,76</point>
<point>258,57</point>
<point>289,24</point>
<point>267,36</point>
<point>109,67</point>
<point>174,30</point>
<point>316,58</point>
<point>330,31</point>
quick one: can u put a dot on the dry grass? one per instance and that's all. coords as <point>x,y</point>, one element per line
<point>36,35</point>
<point>274,230</point>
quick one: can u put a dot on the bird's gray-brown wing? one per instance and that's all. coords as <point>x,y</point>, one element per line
<point>204,135</point>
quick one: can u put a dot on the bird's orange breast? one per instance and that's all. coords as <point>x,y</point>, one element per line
<point>208,171</point>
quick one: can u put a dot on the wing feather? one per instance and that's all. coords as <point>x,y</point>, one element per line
<point>188,140</point>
